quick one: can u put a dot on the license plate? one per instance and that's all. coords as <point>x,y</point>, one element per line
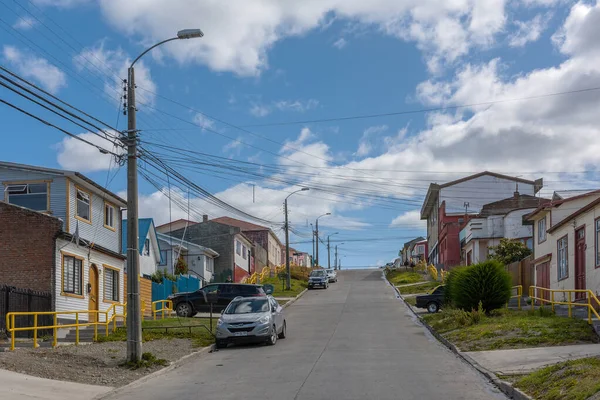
<point>240,334</point>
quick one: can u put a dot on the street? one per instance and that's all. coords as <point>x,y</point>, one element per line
<point>355,340</point>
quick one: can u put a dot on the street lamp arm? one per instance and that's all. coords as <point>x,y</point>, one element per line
<point>150,48</point>
<point>299,190</point>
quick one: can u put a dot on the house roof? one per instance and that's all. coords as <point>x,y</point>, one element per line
<point>243,225</point>
<point>566,194</point>
<point>504,206</point>
<point>70,174</point>
<point>434,188</point>
<point>556,203</point>
<point>144,226</point>
<point>177,220</point>
<point>167,239</point>
<point>575,214</point>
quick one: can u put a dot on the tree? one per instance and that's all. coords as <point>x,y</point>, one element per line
<point>509,251</point>
<point>181,266</point>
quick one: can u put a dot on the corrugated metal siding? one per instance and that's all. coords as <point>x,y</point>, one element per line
<point>58,204</point>
<point>66,303</point>
<point>96,232</point>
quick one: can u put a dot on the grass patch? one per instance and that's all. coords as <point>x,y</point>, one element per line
<point>422,288</point>
<point>199,336</point>
<point>397,277</point>
<point>297,287</point>
<point>148,360</point>
<point>411,300</point>
<point>573,380</point>
<point>504,329</point>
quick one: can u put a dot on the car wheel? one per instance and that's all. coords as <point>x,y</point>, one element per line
<point>220,344</point>
<point>433,307</point>
<point>283,331</point>
<point>184,310</point>
<point>273,338</point>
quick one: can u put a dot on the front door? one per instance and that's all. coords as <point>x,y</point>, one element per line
<point>580,263</point>
<point>542,279</point>
<point>93,294</point>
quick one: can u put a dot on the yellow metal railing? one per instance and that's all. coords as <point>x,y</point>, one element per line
<point>111,315</point>
<point>590,301</point>
<point>518,296</point>
<point>165,305</point>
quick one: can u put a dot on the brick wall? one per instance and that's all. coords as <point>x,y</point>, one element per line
<point>27,248</point>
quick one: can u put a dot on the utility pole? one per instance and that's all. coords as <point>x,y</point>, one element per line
<point>317,237</point>
<point>336,259</point>
<point>313,241</point>
<point>328,254</point>
<point>287,239</point>
<point>134,312</point>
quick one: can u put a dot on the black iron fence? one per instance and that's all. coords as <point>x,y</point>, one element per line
<point>14,299</point>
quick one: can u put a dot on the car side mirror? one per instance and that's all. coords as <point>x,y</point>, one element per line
<point>273,309</point>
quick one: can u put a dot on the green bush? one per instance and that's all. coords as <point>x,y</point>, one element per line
<point>450,284</point>
<point>487,283</point>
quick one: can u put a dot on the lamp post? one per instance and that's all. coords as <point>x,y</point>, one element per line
<point>288,285</point>
<point>329,250</point>
<point>335,262</point>
<point>317,237</point>
<point>312,229</point>
<point>134,322</point>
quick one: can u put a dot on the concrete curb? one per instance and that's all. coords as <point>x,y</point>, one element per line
<point>176,364</point>
<point>505,387</point>
<point>289,303</point>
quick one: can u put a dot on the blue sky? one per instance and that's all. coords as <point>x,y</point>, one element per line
<point>264,62</point>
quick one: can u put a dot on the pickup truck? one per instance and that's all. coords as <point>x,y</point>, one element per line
<point>432,301</point>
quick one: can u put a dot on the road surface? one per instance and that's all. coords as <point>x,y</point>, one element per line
<point>355,340</point>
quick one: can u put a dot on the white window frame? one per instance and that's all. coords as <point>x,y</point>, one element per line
<point>84,193</point>
<point>25,186</point>
<point>71,286</point>
<point>111,292</point>
<point>542,230</point>
<point>110,212</point>
<point>147,247</point>
<point>562,257</point>
<point>244,252</point>
<point>238,248</point>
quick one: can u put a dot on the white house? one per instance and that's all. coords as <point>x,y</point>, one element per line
<point>89,266</point>
<point>200,259</point>
<point>149,248</point>
<point>567,243</point>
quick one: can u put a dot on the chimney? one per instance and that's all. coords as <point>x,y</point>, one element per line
<point>205,218</point>
<point>516,195</point>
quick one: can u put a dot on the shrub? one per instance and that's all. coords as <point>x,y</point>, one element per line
<point>160,275</point>
<point>181,266</point>
<point>486,283</point>
<point>450,284</point>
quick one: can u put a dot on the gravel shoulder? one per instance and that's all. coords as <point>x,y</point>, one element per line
<point>94,364</point>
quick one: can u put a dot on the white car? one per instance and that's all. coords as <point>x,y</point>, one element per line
<point>332,275</point>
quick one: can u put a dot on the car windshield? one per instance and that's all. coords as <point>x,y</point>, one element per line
<point>248,306</point>
<point>317,273</point>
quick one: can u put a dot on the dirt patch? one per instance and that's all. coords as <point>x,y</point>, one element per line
<point>95,364</point>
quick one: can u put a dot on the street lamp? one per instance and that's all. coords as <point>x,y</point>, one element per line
<point>328,250</point>
<point>134,322</point>
<point>335,263</point>
<point>287,239</point>
<point>317,237</point>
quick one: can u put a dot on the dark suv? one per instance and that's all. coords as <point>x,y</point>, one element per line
<point>432,301</point>
<point>188,304</point>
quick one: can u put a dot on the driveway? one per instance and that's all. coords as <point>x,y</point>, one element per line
<point>355,340</point>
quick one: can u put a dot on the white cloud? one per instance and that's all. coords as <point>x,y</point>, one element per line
<point>204,121</point>
<point>111,66</point>
<point>76,155</point>
<point>580,32</point>
<point>235,146</point>
<point>25,23</point>
<point>60,3</point>
<point>340,43</point>
<point>529,31</point>
<point>261,110</point>
<point>410,220</point>
<point>38,69</point>
<point>366,144</point>
<point>239,33</point>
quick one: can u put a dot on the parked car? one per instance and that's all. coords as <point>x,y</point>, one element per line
<point>319,278</point>
<point>332,275</point>
<point>251,320</point>
<point>188,304</point>
<point>432,301</point>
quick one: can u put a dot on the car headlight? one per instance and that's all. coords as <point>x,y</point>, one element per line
<point>220,322</point>
<point>264,320</point>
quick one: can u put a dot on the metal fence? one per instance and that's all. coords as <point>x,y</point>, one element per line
<point>14,299</point>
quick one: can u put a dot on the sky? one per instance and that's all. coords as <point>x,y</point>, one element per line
<point>365,103</point>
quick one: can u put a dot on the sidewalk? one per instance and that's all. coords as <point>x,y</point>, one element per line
<point>520,361</point>
<point>25,387</point>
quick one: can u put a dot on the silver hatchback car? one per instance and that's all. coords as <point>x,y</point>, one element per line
<point>251,320</point>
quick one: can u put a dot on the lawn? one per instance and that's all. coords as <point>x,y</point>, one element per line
<point>506,329</point>
<point>397,277</point>
<point>297,287</point>
<point>200,336</point>
<point>573,380</point>
<point>422,288</point>
<point>411,300</point>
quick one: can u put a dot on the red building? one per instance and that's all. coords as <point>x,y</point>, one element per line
<point>448,241</point>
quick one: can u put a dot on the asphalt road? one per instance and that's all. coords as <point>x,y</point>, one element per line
<point>355,340</point>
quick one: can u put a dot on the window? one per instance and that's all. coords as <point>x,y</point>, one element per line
<point>542,230</point>
<point>84,202</point>
<point>244,252</point>
<point>34,196</point>
<point>238,248</point>
<point>72,275</point>
<point>209,264</point>
<point>562,257</point>
<point>598,242</point>
<point>109,216</point>
<point>147,247</point>
<point>111,284</point>
<point>163,257</point>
